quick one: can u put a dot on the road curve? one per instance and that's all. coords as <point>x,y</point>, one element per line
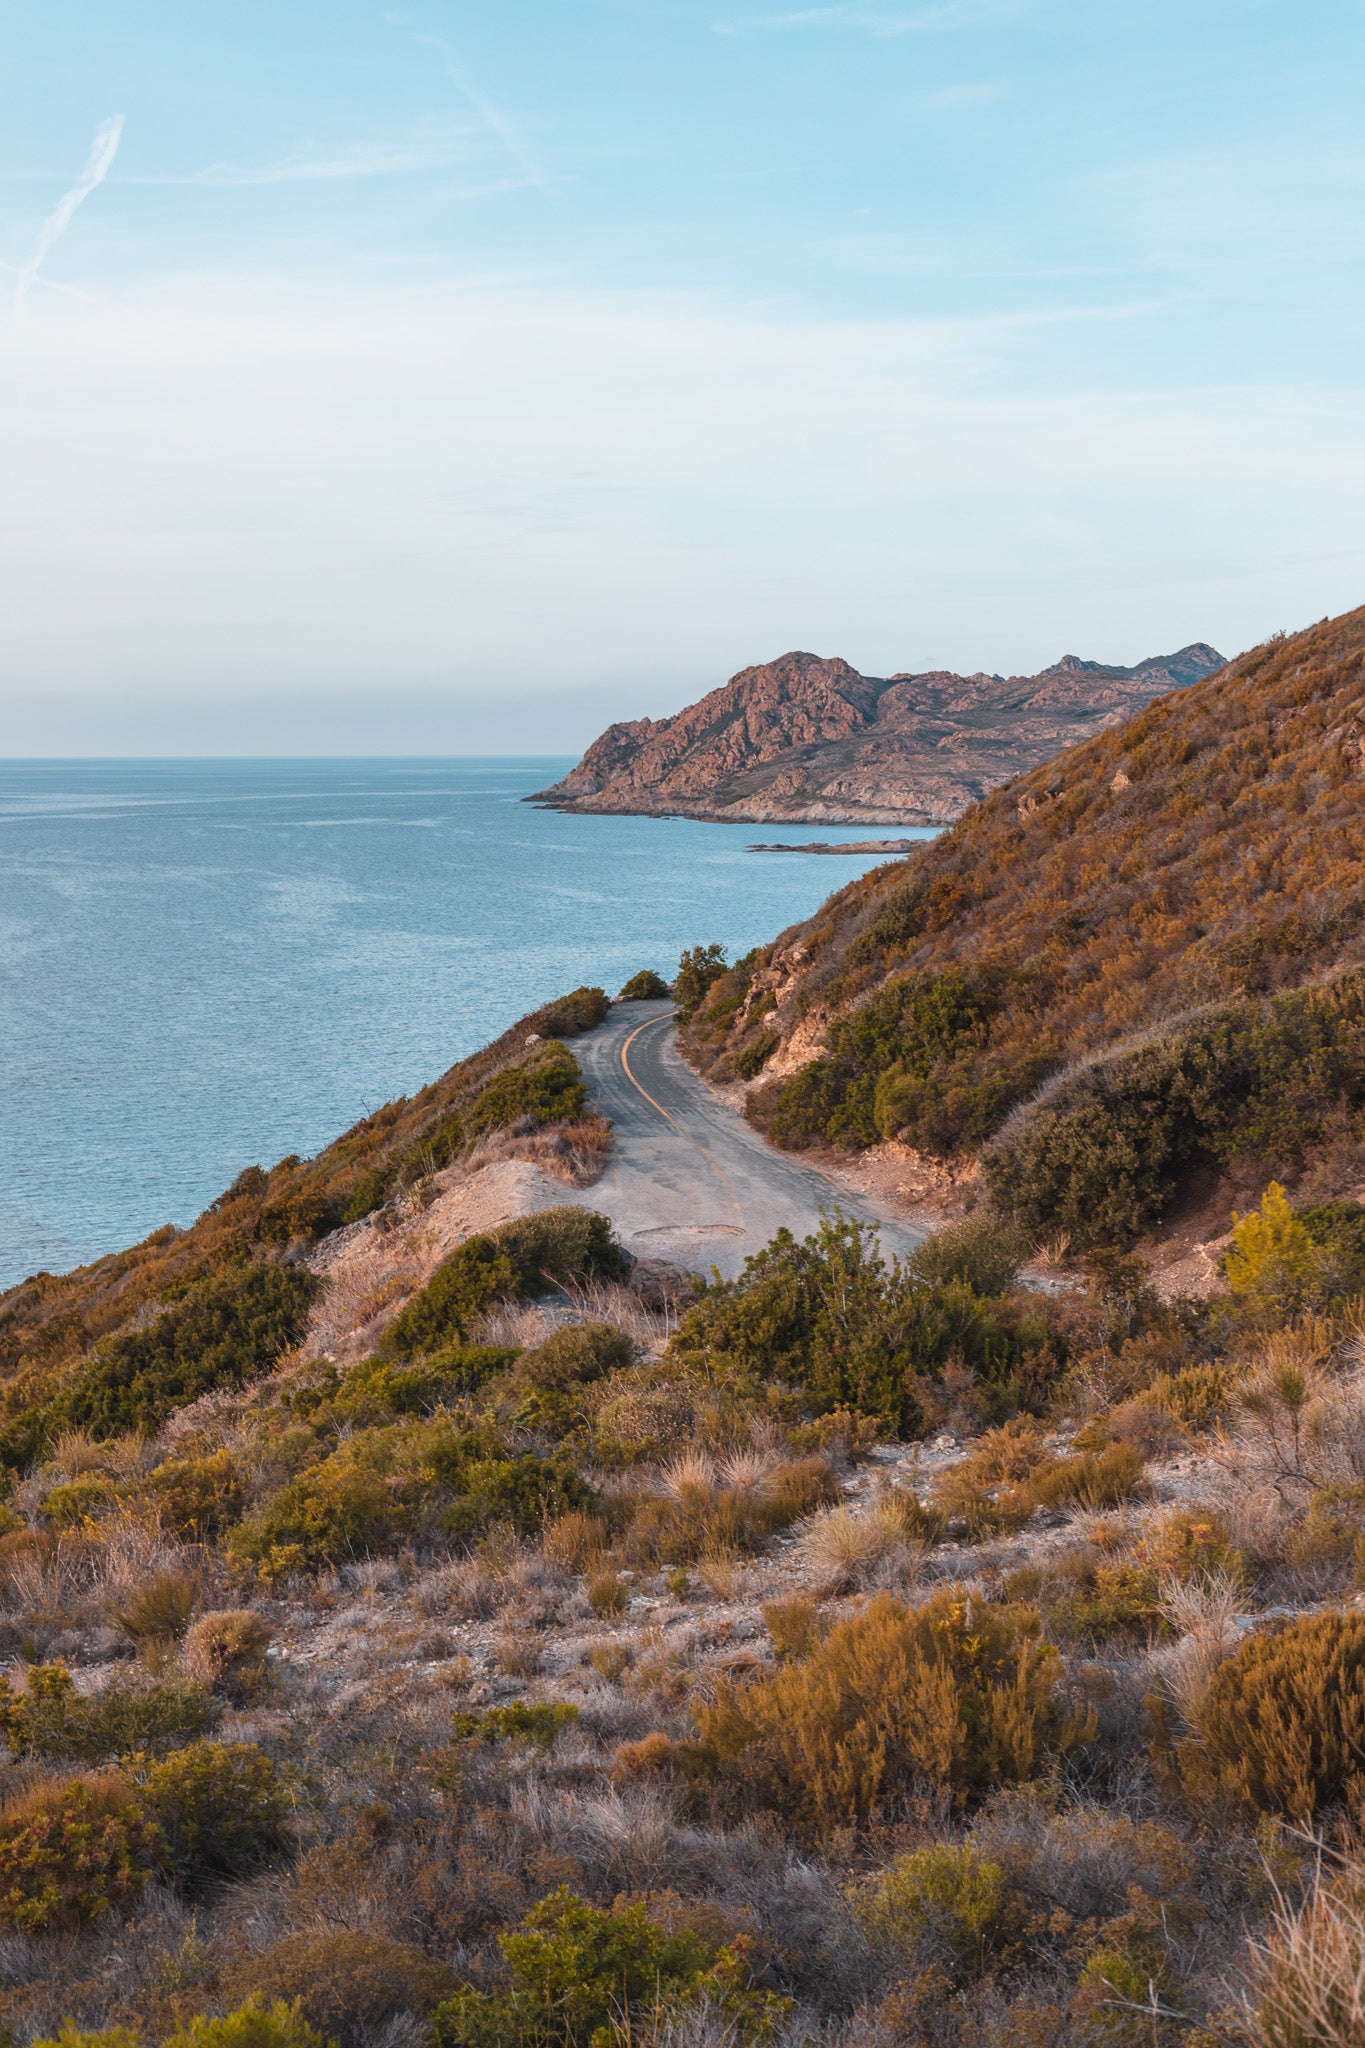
<point>689,1181</point>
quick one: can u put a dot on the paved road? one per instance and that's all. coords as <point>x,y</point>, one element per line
<point>689,1181</point>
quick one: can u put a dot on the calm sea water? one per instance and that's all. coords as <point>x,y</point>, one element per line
<point>209,964</point>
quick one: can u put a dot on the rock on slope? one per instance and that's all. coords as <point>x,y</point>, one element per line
<point>805,739</point>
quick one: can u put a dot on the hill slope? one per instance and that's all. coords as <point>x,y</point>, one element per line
<point>806,739</point>
<point>1210,852</point>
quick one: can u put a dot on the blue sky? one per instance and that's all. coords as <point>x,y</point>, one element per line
<point>451,378</point>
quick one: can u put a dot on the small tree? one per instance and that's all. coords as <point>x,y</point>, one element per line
<point>699,968</point>
<point>1273,1261</point>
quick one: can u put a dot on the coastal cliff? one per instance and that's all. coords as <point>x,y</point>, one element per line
<point>805,739</point>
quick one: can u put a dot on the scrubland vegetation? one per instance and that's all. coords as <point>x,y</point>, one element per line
<point>851,1653</point>
<point>859,1651</point>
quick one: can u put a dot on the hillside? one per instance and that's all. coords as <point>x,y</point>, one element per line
<point>1173,876</point>
<point>803,739</point>
<point>426,1629</point>
<point>50,1322</point>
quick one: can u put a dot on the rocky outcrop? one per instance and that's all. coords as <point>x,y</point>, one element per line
<point>805,739</point>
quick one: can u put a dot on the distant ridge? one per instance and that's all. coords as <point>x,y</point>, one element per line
<point>808,740</point>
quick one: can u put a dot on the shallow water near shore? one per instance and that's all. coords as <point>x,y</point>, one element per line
<point>206,964</point>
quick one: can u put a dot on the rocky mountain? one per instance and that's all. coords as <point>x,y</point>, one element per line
<point>1135,951</point>
<point>809,740</point>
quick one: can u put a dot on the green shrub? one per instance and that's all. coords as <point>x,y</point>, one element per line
<point>1282,1724</point>
<point>409,1481</point>
<point>582,1010</point>
<point>1105,1154</point>
<point>539,1723</point>
<point>221,1807</point>
<point>376,1390</point>
<point>525,1257</point>
<point>71,1853</point>
<point>645,987</point>
<point>946,1902</point>
<point>225,1331</point>
<point>579,1976</point>
<point>831,1317</point>
<point>546,1088</point>
<point>983,1253</point>
<point>540,1390</point>
<point>572,1357</point>
<point>82,1499</point>
<point>52,1720</point>
<point>349,1985</point>
<point>955,1695</point>
<point>914,1061</point>
<point>253,2025</point>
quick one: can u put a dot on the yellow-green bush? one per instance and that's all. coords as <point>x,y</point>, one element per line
<point>400,1482</point>
<point>73,1852</point>
<point>222,1809</point>
<point>51,1719</point>
<point>957,1696</point>
<point>944,1904</point>
<point>1282,1724</point>
<point>197,1497</point>
<point>580,1976</point>
<point>253,2025</point>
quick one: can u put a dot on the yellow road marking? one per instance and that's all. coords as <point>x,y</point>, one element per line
<point>640,1089</point>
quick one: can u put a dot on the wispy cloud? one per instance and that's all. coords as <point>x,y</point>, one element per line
<point>368,160</point>
<point>491,115</point>
<point>103,150</point>
<point>873,21</point>
<point>949,99</point>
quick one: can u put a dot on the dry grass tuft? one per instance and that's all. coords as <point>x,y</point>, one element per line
<point>850,1547</point>
<point>1308,1975</point>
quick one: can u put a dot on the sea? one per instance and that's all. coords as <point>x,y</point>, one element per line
<point>206,965</point>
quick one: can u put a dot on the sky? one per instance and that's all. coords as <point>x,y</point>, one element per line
<point>452,378</point>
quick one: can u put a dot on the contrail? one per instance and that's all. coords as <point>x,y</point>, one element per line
<point>102,152</point>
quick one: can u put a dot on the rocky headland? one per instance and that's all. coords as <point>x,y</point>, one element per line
<point>805,739</point>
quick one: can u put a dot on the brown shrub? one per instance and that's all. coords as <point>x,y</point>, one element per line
<point>161,1610</point>
<point>1282,1723</point>
<point>348,1985</point>
<point>705,1512</point>
<point>791,1625</point>
<point>1090,1479</point>
<point>957,1696</point>
<point>607,1593</point>
<point>575,1540</point>
<point>226,1651</point>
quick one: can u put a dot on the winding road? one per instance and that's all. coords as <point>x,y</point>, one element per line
<point>688,1180</point>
